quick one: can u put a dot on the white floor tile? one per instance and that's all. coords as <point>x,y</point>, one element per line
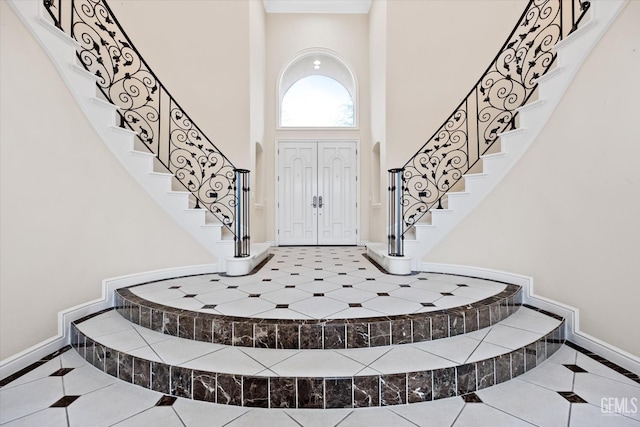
<point>104,325</point>
<point>438,413</point>
<point>110,405</point>
<point>126,340</point>
<point>246,307</point>
<point>508,337</point>
<point>407,358</point>
<point>594,367</point>
<point>587,415</point>
<point>457,349</point>
<point>529,402</point>
<point>229,360</point>
<point>318,417</point>
<point>157,416</point>
<point>42,371</point>
<point>550,375</point>
<point>481,415</point>
<point>25,399</point>
<point>85,380</point>
<point>392,306</point>
<point>367,417</point>
<point>49,417</point>
<point>594,389</point>
<point>317,363</point>
<point>204,414</point>
<point>264,418</point>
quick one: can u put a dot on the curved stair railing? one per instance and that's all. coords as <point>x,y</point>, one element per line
<point>489,109</point>
<point>147,108</point>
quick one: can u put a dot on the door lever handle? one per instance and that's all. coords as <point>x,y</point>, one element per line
<point>320,202</point>
<point>315,199</point>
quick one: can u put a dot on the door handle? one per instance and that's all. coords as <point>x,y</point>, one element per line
<point>320,202</point>
<point>315,201</point>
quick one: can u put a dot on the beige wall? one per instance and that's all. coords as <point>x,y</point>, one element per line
<point>378,88</point>
<point>70,215</point>
<point>425,59</point>
<point>288,35</point>
<point>567,214</point>
<point>200,52</point>
<point>258,63</point>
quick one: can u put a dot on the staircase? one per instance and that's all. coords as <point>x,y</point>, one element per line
<point>211,228</point>
<point>424,223</point>
<point>188,337</point>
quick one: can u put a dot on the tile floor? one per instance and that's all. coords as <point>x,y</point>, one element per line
<point>569,389</point>
<point>523,327</point>
<point>318,283</point>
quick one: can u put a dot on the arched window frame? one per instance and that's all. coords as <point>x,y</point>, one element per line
<point>301,66</point>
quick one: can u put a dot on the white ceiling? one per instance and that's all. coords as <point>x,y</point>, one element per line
<point>317,6</point>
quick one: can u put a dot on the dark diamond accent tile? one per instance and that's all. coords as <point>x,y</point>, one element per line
<point>471,398</point>
<point>282,305</point>
<point>428,304</point>
<point>355,304</point>
<point>361,268</point>
<point>571,397</point>
<point>462,285</point>
<point>297,265</point>
<point>166,401</point>
<point>61,372</point>
<point>446,294</point>
<point>338,265</point>
<point>370,278</point>
<point>405,286</point>
<point>347,286</point>
<point>214,280</point>
<point>342,274</point>
<point>318,279</point>
<point>275,269</point>
<point>174,287</point>
<point>574,368</point>
<point>64,401</point>
<point>232,287</point>
<point>254,296</point>
<point>190,296</point>
<point>319,268</point>
<point>383,294</point>
<point>422,278</point>
<point>290,286</point>
<point>210,306</point>
<point>266,280</point>
<point>318,295</point>
<point>295,274</point>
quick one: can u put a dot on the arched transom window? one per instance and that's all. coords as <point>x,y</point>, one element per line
<point>317,90</point>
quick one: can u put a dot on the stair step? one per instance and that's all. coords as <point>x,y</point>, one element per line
<point>272,377</point>
<point>199,308</point>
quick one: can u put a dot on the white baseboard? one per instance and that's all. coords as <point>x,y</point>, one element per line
<point>571,314</point>
<point>21,360</point>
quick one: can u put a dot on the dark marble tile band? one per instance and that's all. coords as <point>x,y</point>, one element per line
<point>318,392</point>
<point>318,334</point>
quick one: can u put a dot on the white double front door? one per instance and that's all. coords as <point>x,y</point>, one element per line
<point>317,193</point>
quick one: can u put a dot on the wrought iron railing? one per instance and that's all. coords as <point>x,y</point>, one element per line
<point>476,123</point>
<point>147,108</point>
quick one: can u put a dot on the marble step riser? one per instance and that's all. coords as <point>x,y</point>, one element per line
<point>317,392</point>
<point>324,334</point>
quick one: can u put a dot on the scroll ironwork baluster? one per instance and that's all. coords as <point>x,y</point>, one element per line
<point>396,235</point>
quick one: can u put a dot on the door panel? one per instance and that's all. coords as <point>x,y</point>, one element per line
<point>298,175</point>
<point>337,186</point>
<point>328,171</point>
